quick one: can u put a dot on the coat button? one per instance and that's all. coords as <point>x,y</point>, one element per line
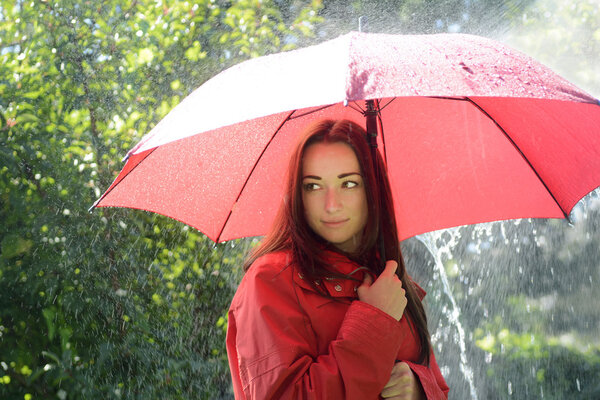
<point>338,288</point>
<point>300,275</point>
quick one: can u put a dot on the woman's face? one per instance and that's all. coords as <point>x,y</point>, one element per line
<point>333,194</point>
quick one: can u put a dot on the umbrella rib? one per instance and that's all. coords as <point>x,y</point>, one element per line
<point>121,180</point>
<point>306,113</point>
<point>382,135</point>
<point>289,117</point>
<point>387,104</point>
<point>520,152</point>
<point>357,108</point>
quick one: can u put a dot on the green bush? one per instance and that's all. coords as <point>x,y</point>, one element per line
<point>533,366</point>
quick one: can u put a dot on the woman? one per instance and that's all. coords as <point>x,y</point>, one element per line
<point>319,314</point>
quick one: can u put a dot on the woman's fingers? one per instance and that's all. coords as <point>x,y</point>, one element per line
<point>386,293</point>
<point>390,268</point>
<point>367,281</point>
<point>400,384</point>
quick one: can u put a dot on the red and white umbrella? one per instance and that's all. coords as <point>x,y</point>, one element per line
<point>472,131</point>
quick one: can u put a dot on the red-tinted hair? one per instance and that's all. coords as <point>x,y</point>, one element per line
<point>291,231</point>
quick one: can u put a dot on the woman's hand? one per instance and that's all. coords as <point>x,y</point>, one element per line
<point>403,384</point>
<point>386,293</point>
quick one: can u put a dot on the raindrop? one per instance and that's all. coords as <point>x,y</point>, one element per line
<point>488,358</point>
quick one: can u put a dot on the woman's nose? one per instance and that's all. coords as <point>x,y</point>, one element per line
<point>332,201</point>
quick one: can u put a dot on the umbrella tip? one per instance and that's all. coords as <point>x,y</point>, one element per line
<point>93,207</point>
<point>569,219</point>
<point>363,24</point>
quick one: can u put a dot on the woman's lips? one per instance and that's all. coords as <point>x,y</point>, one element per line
<point>334,224</point>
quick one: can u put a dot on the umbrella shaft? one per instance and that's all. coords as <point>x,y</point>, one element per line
<point>371,116</point>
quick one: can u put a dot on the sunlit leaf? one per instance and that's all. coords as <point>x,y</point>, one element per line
<point>13,245</point>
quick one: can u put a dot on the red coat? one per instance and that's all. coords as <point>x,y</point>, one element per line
<point>286,341</point>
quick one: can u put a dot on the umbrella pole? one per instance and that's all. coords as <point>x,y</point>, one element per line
<point>371,117</point>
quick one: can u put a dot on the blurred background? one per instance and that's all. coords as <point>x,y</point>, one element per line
<point>127,304</point>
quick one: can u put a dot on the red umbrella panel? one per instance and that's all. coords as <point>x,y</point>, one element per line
<point>471,130</point>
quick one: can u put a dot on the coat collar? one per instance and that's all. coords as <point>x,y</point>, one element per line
<point>333,285</point>
<point>342,287</point>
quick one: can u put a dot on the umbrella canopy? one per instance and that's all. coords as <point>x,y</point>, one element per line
<point>471,131</point>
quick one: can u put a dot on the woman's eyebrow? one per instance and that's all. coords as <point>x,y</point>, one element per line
<point>311,177</point>
<point>348,174</point>
<point>340,176</point>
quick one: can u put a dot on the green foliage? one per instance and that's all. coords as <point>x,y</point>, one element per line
<point>117,303</point>
<point>564,35</point>
<point>529,365</point>
<point>482,17</point>
<point>527,301</point>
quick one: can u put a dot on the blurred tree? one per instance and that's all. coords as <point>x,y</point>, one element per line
<point>482,17</point>
<point>116,303</point>
<point>564,35</point>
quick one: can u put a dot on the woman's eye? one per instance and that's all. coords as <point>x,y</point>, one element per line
<point>349,184</point>
<point>310,186</point>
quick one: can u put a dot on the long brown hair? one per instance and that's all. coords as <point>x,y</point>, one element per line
<point>291,231</point>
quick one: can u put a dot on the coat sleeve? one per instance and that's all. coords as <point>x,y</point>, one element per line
<point>433,383</point>
<point>272,349</point>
